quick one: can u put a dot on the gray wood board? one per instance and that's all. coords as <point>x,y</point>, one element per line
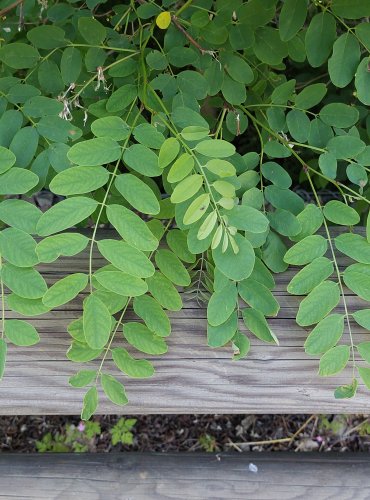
<point>134,476</point>
<point>191,377</point>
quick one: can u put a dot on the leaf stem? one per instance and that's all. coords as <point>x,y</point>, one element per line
<point>338,273</point>
<point>120,319</point>
<point>104,202</point>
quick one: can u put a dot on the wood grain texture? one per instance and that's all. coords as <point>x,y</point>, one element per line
<point>191,377</point>
<point>133,476</point>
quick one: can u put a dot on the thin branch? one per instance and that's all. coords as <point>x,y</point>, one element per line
<point>10,7</point>
<point>189,37</point>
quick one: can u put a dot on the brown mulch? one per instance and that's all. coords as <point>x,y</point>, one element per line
<point>164,433</point>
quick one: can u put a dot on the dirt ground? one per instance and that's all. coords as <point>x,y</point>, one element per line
<point>192,433</point>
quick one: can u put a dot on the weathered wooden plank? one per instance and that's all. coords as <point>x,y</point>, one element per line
<point>191,377</point>
<point>281,476</point>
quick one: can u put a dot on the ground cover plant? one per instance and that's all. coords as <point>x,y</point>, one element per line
<point>186,126</point>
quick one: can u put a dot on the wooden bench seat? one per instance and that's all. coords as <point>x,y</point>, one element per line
<point>191,377</point>
<point>195,476</point>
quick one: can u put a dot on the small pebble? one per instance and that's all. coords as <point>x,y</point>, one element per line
<point>253,468</point>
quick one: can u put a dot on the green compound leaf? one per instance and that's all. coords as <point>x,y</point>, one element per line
<point>364,351</point>
<point>340,213</point>
<point>218,336</point>
<point>135,368</point>
<point>215,148</point>
<point>110,126</point>
<point>121,283</point>
<point>238,266</point>
<point>261,274</point>
<point>311,219</point>
<point>177,242</point>
<point>164,292</point>
<point>181,168</point>
<point>222,304</point>
<point>310,276</point>
<point>142,160</point>
<point>21,333</point>
<point>67,244</point>
<point>19,55</point>
<point>76,330</point>
<point>121,98</point>
<point>319,39</point>
<point>113,389</point>
<point>82,378</point>
<point>94,152</point>
<point>131,228</point>
<point>221,168</point>
<point>18,247</point>
<point>46,37</point>
<point>362,318</point>
<point>357,278</point>
<point>70,65</point>
<point>306,250</point>
<point>362,81</point>
<point>325,334</point>
<point>168,152</point>
<point>273,172</point>
<point>17,181</point>
<point>351,10</point>
<point>140,337</point>
<point>91,30</point>
<point>343,63</point>
<point>247,219</point>
<point>96,322</point>
<point>256,323</point>
<point>346,391</point>
<point>365,375</point>
<point>238,69</point>
<point>318,303</point>
<point>241,346</point>
<point>284,222</point>
<point>328,165</point>
<point>149,310</point>
<point>268,46</point>
<point>137,193</point>
<point>148,135</point>
<point>7,159</point>
<point>292,17</point>
<point>80,352</point>
<point>65,290</point>
<point>197,209</point>
<point>334,361</point>
<point>39,106</point>
<point>65,215</point>
<point>26,307</point>
<point>311,96</point>
<point>79,180</point>
<point>258,297</point>
<point>345,146</point>
<point>284,198</point>
<point>187,188</point>
<point>355,246</point>
<point>339,115</point>
<point>172,267</point>
<point>273,252</point>
<point>357,174</point>
<point>90,403</point>
<point>126,258</point>
<point>23,281</point>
